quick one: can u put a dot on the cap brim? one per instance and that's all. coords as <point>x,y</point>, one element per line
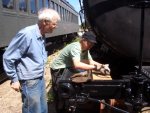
<point>92,41</point>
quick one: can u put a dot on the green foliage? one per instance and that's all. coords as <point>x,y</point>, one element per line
<point>50,97</point>
<point>76,39</point>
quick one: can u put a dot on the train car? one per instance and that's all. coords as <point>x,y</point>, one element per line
<point>17,14</point>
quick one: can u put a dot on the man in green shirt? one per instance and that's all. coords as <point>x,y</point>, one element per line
<point>76,57</point>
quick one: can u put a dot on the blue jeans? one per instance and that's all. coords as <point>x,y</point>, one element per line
<point>34,96</point>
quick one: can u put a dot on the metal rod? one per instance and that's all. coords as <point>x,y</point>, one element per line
<point>112,107</point>
<point>141,39</point>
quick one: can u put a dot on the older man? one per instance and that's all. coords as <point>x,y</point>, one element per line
<point>25,58</point>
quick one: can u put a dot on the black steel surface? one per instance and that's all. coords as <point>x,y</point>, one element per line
<point>117,24</point>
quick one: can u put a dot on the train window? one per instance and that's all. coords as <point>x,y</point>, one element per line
<point>23,5</point>
<point>67,15</point>
<point>62,13</point>
<point>9,4</point>
<point>55,6</point>
<point>74,18</point>
<point>33,6</point>
<point>52,5</point>
<point>71,17</point>
<point>41,4</point>
<point>59,9</point>
<point>47,3</point>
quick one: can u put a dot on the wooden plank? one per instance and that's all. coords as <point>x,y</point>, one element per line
<point>99,76</point>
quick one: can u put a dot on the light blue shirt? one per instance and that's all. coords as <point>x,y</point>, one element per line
<point>25,56</point>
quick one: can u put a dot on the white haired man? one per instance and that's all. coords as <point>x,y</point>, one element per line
<point>25,58</point>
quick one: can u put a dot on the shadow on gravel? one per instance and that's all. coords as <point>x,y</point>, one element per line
<point>51,107</point>
<point>51,103</point>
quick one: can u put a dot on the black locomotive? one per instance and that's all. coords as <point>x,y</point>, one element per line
<point>122,29</point>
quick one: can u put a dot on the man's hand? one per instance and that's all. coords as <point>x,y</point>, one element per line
<point>15,86</point>
<point>107,69</point>
<point>103,68</point>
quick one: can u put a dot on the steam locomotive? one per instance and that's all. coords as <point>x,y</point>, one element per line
<point>121,27</point>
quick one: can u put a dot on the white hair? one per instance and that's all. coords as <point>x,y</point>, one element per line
<point>48,14</point>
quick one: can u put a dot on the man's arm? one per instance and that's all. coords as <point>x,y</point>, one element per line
<point>81,65</point>
<point>13,54</point>
<point>100,66</point>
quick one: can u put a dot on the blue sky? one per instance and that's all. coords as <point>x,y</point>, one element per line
<point>75,4</point>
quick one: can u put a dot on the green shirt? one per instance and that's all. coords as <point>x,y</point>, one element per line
<point>66,56</point>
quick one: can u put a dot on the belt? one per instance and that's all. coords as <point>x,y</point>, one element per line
<point>21,81</point>
<point>57,70</point>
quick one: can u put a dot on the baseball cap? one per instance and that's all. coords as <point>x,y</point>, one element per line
<point>89,36</point>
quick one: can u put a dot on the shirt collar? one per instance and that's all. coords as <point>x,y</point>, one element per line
<point>38,33</point>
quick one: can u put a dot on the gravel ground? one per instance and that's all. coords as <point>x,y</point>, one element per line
<point>10,100</point>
